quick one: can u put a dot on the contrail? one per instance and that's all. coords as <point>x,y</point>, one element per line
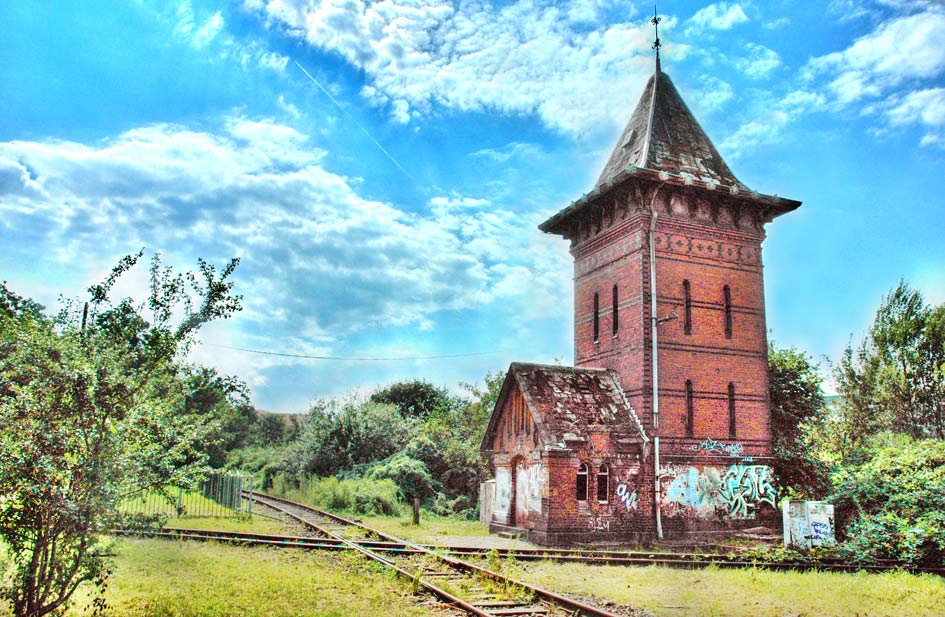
<point>358,124</point>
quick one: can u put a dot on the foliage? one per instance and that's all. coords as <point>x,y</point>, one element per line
<point>359,496</point>
<point>797,411</point>
<point>90,403</point>
<point>895,379</point>
<point>223,400</point>
<point>262,462</point>
<point>892,493</point>
<point>410,475</point>
<point>414,399</point>
<point>342,435</point>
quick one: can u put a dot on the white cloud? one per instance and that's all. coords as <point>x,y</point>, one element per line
<point>719,16</point>
<point>714,93</point>
<point>903,48</point>
<point>774,24</point>
<point>754,133</point>
<point>923,107</point>
<point>319,262</point>
<point>760,61</point>
<point>521,58</point>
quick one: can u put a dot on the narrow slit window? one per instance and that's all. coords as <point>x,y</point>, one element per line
<point>731,410</point>
<point>728,311</point>
<point>603,484</point>
<point>687,298</point>
<point>581,484</point>
<point>596,317</point>
<point>616,322</point>
<point>689,408</point>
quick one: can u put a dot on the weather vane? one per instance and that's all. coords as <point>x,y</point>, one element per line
<point>656,44</point>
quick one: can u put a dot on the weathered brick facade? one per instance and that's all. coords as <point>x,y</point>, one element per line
<point>668,225</point>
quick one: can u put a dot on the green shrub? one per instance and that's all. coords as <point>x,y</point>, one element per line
<point>890,500</point>
<point>353,495</point>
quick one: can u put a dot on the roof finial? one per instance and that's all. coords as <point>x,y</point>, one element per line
<point>656,44</point>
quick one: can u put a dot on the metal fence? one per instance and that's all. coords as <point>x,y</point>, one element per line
<point>219,494</point>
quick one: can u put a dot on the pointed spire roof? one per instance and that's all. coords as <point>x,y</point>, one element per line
<point>663,136</point>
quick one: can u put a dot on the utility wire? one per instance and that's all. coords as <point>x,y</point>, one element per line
<point>355,358</point>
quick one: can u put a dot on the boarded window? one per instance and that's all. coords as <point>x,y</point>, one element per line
<point>581,484</point>
<point>731,410</point>
<point>603,484</point>
<point>689,409</point>
<point>728,311</point>
<point>616,322</point>
<point>687,300</point>
<point>596,317</point>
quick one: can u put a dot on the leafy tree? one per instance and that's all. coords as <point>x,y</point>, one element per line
<point>411,477</point>
<point>797,411</point>
<point>90,406</point>
<point>341,436</point>
<point>270,429</point>
<point>895,380</point>
<point>224,401</point>
<point>414,399</point>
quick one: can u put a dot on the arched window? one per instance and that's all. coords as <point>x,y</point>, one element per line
<point>596,317</point>
<point>581,484</point>
<point>728,311</point>
<point>731,410</point>
<point>603,484</point>
<point>687,295</point>
<point>689,408</point>
<point>616,322</point>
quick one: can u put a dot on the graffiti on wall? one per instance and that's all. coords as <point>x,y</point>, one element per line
<point>627,497</point>
<point>598,524</point>
<point>744,487</point>
<point>503,492</point>
<point>534,488</point>
<point>712,446</point>
<point>735,493</point>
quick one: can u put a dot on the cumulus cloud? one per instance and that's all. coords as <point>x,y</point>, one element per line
<point>719,16</point>
<point>319,262</point>
<point>925,108</point>
<point>760,61</point>
<point>525,57</point>
<point>900,49</point>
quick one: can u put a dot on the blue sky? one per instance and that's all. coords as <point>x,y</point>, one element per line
<point>390,209</point>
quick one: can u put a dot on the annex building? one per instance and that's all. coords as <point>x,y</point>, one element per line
<point>663,426</point>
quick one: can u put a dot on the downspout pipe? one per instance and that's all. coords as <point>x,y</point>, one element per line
<point>654,355</point>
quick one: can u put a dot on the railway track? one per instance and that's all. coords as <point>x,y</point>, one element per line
<point>461,584</point>
<point>470,587</point>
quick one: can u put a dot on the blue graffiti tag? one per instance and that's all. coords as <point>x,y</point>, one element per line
<point>743,487</point>
<point>627,497</point>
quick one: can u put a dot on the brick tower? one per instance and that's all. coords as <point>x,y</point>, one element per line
<point>669,293</point>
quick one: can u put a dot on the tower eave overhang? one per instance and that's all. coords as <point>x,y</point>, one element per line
<point>772,205</point>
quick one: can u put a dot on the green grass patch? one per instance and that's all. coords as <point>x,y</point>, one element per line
<point>749,593</point>
<point>166,578</point>
<point>432,529</point>
<point>246,524</point>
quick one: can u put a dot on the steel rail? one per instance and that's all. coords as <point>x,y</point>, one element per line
<point>611,558</point>
<point>577,608</point>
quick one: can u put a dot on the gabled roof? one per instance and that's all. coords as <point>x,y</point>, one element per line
<point>663,135</point>
<point>567,404</point>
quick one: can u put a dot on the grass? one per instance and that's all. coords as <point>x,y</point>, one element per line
<point>162,578</point>
<point>743,593</point>
<point>431,530</point>
<point>255,524</point>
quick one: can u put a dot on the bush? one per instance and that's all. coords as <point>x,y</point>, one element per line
<point>356,496</point>
<point>890,499</point>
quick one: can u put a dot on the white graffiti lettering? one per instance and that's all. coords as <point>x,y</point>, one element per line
<point>711,445</point>
<point>627,497</point>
